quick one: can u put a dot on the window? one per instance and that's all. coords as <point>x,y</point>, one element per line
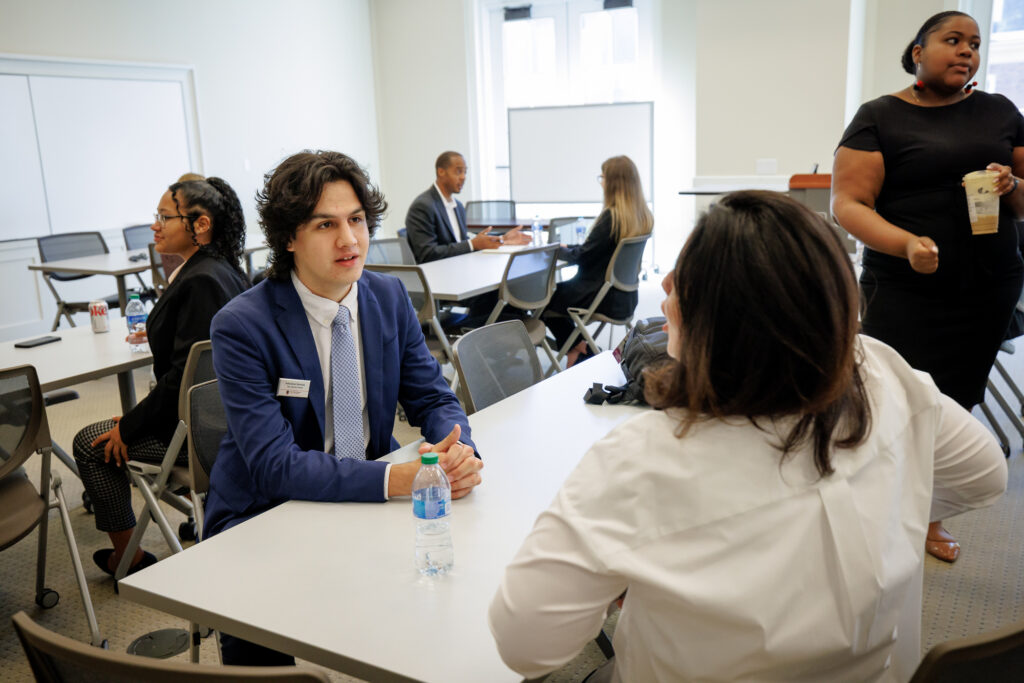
<point>555,53</point>
<point>1005,73</point>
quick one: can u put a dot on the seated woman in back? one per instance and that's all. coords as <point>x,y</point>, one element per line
<point>768,522</point>
<point>625,214</point>
<point>202,222</point>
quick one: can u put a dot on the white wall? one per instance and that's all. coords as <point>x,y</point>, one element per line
<point>771,81</point>
<point>272,78</point>
<point>422,77</point>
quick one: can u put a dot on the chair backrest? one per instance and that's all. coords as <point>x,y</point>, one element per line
<point>156,268</point>
<point>198,369</point>
<point>494,362</point>
<point>54,658</point>
<point>23,426</point>
<point>415,283</point>
<point>70,245</point>
<point>207,425</point>
<point>390,251</point>
<point>624,268</point>
<point>555,229</point>
<point>490,210</point>
<point>529,279</point>
<point>994,657</point>
<point>137,236</point>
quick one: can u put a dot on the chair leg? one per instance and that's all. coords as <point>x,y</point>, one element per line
<point>1014,419</point>
<point>195,639</point>
<point>151,509</point>
<point>605,644</point>
<point>551,354</point>
<point>1010,383</point>
<point>1004,441</point>
<point>76,562</point>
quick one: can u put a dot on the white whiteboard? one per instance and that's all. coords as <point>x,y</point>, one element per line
<point>555,153</point>
<point>22,198</point>
<point>109,148</point>
<point>88,145</point>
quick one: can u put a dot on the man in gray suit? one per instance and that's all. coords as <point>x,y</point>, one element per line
<point>436,222</point>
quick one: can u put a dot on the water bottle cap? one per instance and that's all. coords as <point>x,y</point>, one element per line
<point>428,459</point>
<point>132,296</point>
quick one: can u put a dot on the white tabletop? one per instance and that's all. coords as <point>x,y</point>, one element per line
<point>335,583</point>
<point>115,263</point>
<point>79,356</point>
<point>255,242</point>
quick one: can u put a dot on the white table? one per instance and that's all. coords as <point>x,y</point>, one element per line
<point>335,583</point>
<point>253,243</point>
<point>117,264</point>
<point>460,277</point>
<point>81,355</point>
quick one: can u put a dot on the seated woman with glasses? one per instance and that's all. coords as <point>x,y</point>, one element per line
<point>625,214</point>
<point>768,522</point>
<point>201,221</point>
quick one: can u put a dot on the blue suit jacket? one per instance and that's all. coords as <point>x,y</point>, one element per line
<point>273,451</point>
<point>429,231</point>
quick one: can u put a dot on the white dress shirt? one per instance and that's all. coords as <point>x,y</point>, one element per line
<point>320,313</point>
<point>453,218</point>
<point>741,567</point>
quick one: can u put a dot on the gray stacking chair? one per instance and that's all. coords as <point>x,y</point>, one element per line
<point>137,236</point>
<point>993,657</point>
<point>479,212</point>
<point>423,302</point>
<point>623,274</point>
<point>57,659</point>
<point>65,246</point>
<point>390,251</point>
<point>24,432</point>
<point>555,228</point>
<point>494,362</point>
<point>528,284</point>
<point>159,481</point>
<point>207,425</point>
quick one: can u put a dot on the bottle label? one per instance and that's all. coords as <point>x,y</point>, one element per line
<point>429,509</point>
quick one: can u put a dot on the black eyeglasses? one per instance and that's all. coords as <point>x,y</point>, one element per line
<point>162,219</point>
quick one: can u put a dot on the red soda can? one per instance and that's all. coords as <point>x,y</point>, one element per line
<point>98,316</point>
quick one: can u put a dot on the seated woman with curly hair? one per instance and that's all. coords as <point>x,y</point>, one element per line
<point>202,222</point>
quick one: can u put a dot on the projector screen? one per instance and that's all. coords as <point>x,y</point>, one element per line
<point>555,153</point>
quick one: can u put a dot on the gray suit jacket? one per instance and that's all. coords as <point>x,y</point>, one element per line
<point>428,230</point>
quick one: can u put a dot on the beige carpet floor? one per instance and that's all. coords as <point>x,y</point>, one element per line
<point>982,591</point>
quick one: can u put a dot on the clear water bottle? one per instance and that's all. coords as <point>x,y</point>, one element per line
<point>135,314</point>
<point>581,230</point>
<point>431,505</point>
<point>536,232</point>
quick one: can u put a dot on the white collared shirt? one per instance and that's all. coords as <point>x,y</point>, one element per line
<point>453,218</point>
<point>742,565</point>
<point>320,313</point>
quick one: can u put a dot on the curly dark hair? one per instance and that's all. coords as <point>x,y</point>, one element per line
<point>767,304</point>
<point>927,28</point>
<point>214,198</point>
<point>290,194</point>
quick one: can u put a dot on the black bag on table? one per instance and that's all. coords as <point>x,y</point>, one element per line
<point>646,345</point>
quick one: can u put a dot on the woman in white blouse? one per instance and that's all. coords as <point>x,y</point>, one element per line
<point>769,521</point>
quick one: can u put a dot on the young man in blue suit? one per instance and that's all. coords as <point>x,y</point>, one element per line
<point>436,221</point>
<point>312,362</point>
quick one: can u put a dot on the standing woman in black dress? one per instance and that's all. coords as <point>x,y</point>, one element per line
<point>624,214</point>
<point>937,293</point>
<point>201,221</point>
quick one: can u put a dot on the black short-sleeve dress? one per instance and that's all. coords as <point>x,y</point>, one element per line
<point>949,323</point>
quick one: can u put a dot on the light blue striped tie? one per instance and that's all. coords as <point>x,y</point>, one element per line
<point>348,414</point>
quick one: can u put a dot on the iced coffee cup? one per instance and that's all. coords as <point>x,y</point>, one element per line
<point>982,201</point>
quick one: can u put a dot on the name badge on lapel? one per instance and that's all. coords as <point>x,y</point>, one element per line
<point>297,388</point>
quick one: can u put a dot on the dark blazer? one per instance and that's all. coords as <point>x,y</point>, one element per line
<point>428,230</point>
<point>179,318</point>
<point>592,258</point>
<point>274,449</point>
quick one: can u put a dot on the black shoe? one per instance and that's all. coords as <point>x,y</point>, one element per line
<point>102,560</point>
